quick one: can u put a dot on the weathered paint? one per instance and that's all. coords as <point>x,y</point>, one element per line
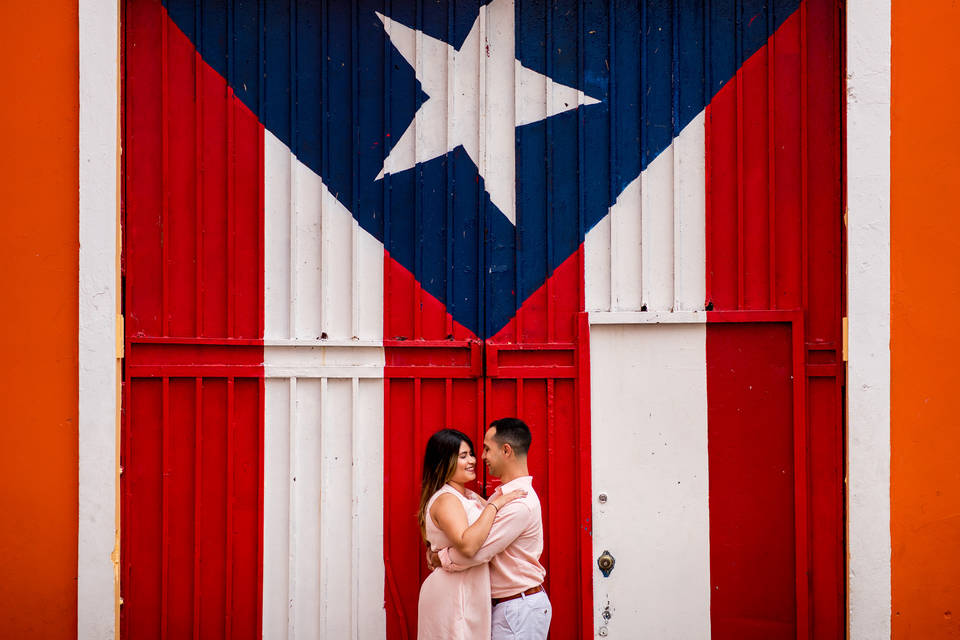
<point>323,436</point>
<point>324,275</point>
<point>771,271</point>
<point>774,242</point>
<point>868,300</point>
<point>100,336</point>
<point>38,256</point>
<point>760,573</point>
<point>192,436</point>
<point>670,198</point>
<point>868,170</point>
<point>478,308</point>
<point>649,440</point>
<point>924,271</point>
<point>323,530</point>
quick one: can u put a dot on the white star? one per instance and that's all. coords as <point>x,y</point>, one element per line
<point>487,94</point>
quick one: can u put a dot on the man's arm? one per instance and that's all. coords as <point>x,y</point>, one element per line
<point>507,527</point>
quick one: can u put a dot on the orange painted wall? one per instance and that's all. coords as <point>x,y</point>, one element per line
<point>925,357</point>
<point>38,319</point>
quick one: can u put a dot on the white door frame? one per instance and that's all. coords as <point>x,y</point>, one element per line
<point>100,336</point>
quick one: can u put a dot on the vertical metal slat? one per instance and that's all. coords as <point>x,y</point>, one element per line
<point>165,507</point>
<point>518,208</point>
<point>229,498</point>
<point>231,173</point>
<point>676,152</point>
<point>482,251</point>
<point>355,184</point>
<point>450,175</point>
<point>803,533</point>
<point>198,169</point>
<point>708,165</point>
<point>164,183</point>
<point>611,155</point>
<point>548,209</point>
<point>324,569</point>
<point>356,447</point>
<point>804,160</point>
<point>197,498</point>
<point>581,226</point>
<point>418,189</point>
<point>645,277</point>
<point>294,257</point>
<point>740,195</point>
<point>771,157</point>
<point>800,477</point>
<point>292,598</point>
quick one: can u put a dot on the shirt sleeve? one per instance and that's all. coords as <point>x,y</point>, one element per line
<point>507,527</point>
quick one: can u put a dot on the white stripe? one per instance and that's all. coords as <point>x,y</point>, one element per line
<point>650,249</point>
<point>649,448</point>
<point>99,330</point>
<point>311,274</point>
<point>323,434</point>
<point>645,266</point>
<point>868,306</point>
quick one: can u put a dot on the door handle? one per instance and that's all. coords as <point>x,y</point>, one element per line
<point>605,562</point>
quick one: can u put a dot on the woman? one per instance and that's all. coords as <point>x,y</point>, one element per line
<point>455,605</point>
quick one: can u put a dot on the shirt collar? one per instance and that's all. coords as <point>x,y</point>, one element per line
<point>523,482</point>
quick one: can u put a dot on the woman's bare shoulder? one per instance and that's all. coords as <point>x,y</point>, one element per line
<point>444,500</point>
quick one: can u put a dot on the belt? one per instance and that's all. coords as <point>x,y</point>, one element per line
<point>528,592</point>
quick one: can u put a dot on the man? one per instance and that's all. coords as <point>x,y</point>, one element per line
<point>521,608</point>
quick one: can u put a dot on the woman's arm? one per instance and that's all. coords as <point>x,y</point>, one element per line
<point>448,514</point>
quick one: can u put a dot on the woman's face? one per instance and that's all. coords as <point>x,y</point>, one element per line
<point>466,469</point>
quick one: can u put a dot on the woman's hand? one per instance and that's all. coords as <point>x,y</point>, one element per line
<point>506,498</point>
<point>433,558</point>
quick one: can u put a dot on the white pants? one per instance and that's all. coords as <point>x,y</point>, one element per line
<point>523,618</point>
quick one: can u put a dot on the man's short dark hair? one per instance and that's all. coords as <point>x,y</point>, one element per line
<point>514,432</point>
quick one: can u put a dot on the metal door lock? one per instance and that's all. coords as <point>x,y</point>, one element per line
<point>605,562</point>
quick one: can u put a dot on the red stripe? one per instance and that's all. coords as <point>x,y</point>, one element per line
<point>750,445</point>
<point>542,375</point>
<point>411,313</point>
<point>432,380</point>
<point>774,242</point>
<point>192,510</point>
<point>535,368</point>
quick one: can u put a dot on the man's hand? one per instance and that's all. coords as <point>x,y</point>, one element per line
<point>433,559</point>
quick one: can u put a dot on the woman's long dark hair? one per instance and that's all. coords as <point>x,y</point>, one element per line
<point>439,463</point>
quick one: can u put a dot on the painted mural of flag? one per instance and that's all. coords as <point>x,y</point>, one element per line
<point>350,224</point>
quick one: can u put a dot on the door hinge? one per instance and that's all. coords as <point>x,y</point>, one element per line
<point>120,334</point>
<point>845,338</point>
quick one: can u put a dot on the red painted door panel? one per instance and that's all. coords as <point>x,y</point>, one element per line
<point>420,378</point>
<point>191,504</point>
<point>753,535</point>
<point>192,430</point>
<point>544,385</point>
<point>535,368</point>
<point>774,243</point>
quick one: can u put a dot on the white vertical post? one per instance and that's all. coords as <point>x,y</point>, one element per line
<point>868,307</point>
<point>99,330</point>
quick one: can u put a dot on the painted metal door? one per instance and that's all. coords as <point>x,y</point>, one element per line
<point>715,296</point>
<point>193,386</point>
<point>348,224</point>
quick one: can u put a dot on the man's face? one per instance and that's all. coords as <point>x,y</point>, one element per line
<point>493,453</point>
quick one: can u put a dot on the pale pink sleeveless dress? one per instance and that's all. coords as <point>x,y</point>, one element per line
<point>454,605</point>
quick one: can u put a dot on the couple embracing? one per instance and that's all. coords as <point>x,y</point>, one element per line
<point>487,580</point>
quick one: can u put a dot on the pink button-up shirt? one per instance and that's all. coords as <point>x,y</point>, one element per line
<point>513,547</point>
